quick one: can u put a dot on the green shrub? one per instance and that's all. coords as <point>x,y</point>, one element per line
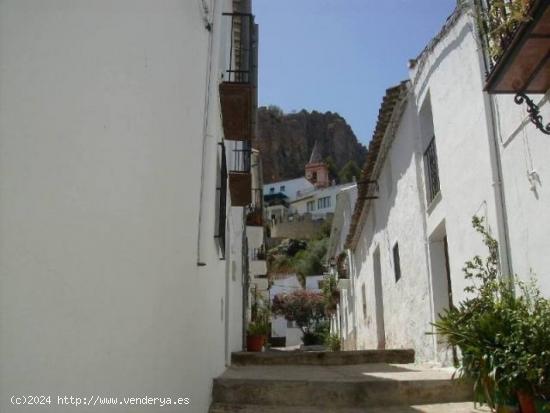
<point>333,342</point>
<point>502,330</point>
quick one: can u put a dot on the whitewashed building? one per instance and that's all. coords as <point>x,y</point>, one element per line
<point>318,202</point>
<point>343,321</point>
<point>121,259</point>
<point>257,282</point>
<point>443,151</point>
<point>291,188</point>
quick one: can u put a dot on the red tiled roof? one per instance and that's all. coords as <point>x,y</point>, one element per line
<point>393,96</point>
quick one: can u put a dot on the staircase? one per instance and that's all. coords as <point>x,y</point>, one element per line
<point>371,381</point>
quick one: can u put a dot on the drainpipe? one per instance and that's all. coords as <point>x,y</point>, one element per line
<point>496,167</point>
<point>208,26</point>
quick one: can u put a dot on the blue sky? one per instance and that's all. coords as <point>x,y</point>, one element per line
<point>341,55</point>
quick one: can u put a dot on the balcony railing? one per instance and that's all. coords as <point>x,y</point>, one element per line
<point>240,180</point>
<point>238,90</point>
<point>242,49</point>
<point>255,213</point>
<point>258,254</point>
<point>240,160</point>
<point>432,171</point>
<point>499,20</point>
<point>516,38</point>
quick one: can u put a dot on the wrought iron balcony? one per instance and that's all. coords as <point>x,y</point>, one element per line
<point>255,213</point>
<point>238,90</point>
<point>240,180</point>
<point>516,39</point>
<point>258,254</point>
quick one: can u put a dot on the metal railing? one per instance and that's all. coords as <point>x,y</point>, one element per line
<point>498,21</point>
<point>257,254</point>
<point>257,200</point>
<point>243,43</point>
<point>222,200</point>
<point>432,171</point>
<point>254,211</point>
<point>240,158</point>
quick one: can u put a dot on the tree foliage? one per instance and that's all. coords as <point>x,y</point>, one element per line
<point>349,171</point>
<point>332,169</point>
<point>306,308</point>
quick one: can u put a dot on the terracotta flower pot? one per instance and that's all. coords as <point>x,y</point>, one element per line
<point>254,343</point>
<point>526,402</point>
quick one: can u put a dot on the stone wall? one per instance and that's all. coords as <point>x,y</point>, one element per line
<point>297,226</point>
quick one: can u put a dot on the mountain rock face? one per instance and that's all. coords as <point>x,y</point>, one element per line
<point>285,141</point>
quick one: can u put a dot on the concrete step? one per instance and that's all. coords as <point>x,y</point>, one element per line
<point>322,358</point>
<point>467,407</point>
<point>365,385</point>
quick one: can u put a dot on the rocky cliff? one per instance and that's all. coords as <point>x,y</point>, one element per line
<point>286,141</point>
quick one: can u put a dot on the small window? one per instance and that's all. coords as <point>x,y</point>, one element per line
<point>314,177</point>
<point>272,190</point>
<point>310,206</point>
<point>282,188</point>
<point>364,295</point>
<point>396,263</point>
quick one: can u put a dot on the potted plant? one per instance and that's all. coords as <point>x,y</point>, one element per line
<point>341,265</point>
<point>256,336</point>
<point>331,294</point>
<point>501,330</point>
<point>258,328</point>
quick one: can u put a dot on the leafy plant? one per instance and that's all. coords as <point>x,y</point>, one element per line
<point>499,21</point>
<point>349,171</point>
<point>258,328</point>
<point>331,294</point>
<point>333,342</point>
<point>341,265</point>
<point>308,260</point>
<point>501,329</point>
<point>260,315</point>
<point>304,307</point>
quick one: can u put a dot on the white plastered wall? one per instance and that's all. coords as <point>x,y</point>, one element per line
<point>101,127</point>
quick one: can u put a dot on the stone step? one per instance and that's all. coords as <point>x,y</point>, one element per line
<point>322,358</point>
<point>467,407</point>
<point>364,385</point>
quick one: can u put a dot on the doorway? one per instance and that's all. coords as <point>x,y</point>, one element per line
<point>441,283</point>
<point>379,300</point>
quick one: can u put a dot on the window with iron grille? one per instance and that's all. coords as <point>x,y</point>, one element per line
<point>222,201</point>
<point>432,171</point>
<point>396,262</point>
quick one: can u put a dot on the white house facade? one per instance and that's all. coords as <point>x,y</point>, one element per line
<point>292,188</point>
<point>318,202</point>
<point>443,151</point>
<point>122,231</point>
